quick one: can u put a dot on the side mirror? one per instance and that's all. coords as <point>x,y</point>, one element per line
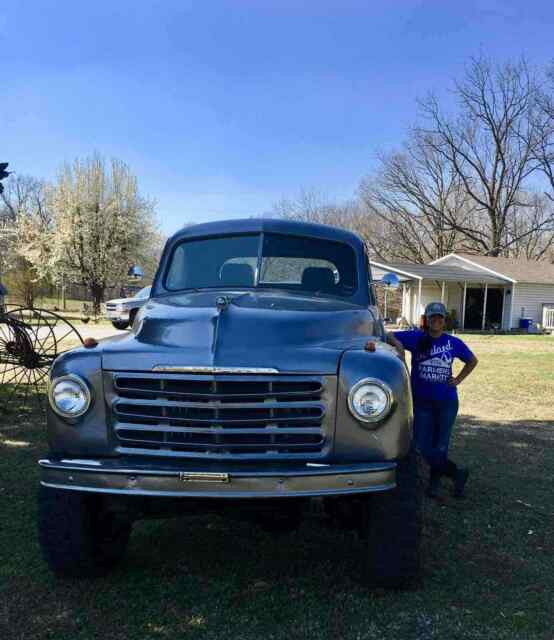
<point>135,273</point>
<point>389,280</point>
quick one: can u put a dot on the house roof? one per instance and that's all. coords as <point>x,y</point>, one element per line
<point>526,271</point>
<point>438,272</point>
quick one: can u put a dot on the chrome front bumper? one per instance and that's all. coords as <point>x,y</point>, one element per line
<point>307,480</point>
<point>118,316</point>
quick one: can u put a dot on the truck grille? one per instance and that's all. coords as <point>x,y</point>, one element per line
<point>223,416</point>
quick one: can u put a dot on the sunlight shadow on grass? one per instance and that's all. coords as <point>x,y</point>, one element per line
<point>518,445</point>
<point>14,443</point>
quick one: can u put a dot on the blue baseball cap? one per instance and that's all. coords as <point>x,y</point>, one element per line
<point>435,309</point>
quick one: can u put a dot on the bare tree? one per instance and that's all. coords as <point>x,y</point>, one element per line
<point>23,196</point>
<point>24,217</point>
<point>535,240</point>
<point>312,206</point>
<point>419,199</point>
<point>490,146</point>
<point>308,206</point>
<point>467,181</point>
<point>544,150</point>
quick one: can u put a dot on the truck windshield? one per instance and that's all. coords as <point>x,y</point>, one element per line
<point>295,263</point>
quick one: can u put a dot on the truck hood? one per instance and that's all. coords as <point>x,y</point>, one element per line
<point>253,330</point>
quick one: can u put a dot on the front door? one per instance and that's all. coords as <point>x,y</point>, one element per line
<point>474,308</point>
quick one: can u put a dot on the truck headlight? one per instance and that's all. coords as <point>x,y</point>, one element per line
<point>69,396</point>
<point>370,400</point>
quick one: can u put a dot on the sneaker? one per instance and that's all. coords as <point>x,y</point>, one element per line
<point>460,482</point>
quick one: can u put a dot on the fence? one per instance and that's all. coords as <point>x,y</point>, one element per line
<point>77,297</point>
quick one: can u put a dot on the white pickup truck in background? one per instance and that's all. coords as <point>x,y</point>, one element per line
<point>121,311</point>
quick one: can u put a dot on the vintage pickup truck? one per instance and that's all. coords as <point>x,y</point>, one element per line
<point>245,386</point>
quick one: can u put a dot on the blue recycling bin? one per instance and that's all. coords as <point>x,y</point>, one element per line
<point>525,323</point>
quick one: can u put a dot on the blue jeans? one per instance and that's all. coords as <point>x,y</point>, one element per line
<point>433,424</point>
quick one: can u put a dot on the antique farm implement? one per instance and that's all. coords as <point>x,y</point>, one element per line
<point>30,341</point>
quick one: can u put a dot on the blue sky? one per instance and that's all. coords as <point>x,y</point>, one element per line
<point>222,108</point>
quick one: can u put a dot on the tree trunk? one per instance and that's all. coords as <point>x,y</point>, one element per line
<point>97,292</point>
<point>30,297</point>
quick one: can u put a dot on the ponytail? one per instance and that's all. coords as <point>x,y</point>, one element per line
<point>423,346</point>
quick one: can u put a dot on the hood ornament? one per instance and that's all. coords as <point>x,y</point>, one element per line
<point>222,302</point>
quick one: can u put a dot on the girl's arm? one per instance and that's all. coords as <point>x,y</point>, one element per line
<point>394,342</point>
<point>468,368</point>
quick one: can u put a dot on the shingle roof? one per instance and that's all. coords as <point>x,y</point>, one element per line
<point>439,272</point>
<point>528,271</point>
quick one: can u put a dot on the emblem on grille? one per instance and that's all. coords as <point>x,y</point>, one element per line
<point>222,303</point>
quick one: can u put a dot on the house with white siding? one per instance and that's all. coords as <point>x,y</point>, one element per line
<point>483,292</point>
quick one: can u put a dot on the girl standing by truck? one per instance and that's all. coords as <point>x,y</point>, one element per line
<point>434,392</point>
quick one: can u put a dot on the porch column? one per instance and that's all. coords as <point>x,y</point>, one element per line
<point>418,305</point>
<point>442,292</point>
<point>484,305</point>
<point>403,309</point>
<point>464,305</point>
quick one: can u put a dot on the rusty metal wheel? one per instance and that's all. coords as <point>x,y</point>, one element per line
<point>30,341</point>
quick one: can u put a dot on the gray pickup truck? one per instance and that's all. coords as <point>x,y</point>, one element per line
<point>244,387</point>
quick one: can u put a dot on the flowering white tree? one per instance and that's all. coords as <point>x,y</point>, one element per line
<point>101,224</point>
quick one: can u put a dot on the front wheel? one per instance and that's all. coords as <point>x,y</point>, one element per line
<point>79,537</point>
<point>120,324</point>
<point>392,528</point>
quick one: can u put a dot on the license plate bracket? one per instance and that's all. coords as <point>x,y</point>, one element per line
<point>204,476</point>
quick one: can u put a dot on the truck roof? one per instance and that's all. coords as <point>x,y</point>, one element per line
<point>271,225</point>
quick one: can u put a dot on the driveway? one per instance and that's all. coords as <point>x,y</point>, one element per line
<point>99,331</point>
<point>65,338</point>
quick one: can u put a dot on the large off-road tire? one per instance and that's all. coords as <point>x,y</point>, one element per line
<point>120,324</point>
<point>78,536</point>
<point>393,529</point>
<point>132,316</point>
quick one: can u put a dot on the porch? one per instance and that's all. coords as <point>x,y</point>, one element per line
<point>476,300</point>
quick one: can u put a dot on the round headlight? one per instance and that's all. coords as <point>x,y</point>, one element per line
<point>69,396</point>
<point>370,400</point>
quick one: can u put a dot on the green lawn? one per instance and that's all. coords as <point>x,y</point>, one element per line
<point>489,570</point>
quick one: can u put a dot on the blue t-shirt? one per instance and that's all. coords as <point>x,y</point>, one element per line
<point>432,368</point>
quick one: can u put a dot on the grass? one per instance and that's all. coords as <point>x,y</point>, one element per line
<point>489,569</point>
<point>514,380</point>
